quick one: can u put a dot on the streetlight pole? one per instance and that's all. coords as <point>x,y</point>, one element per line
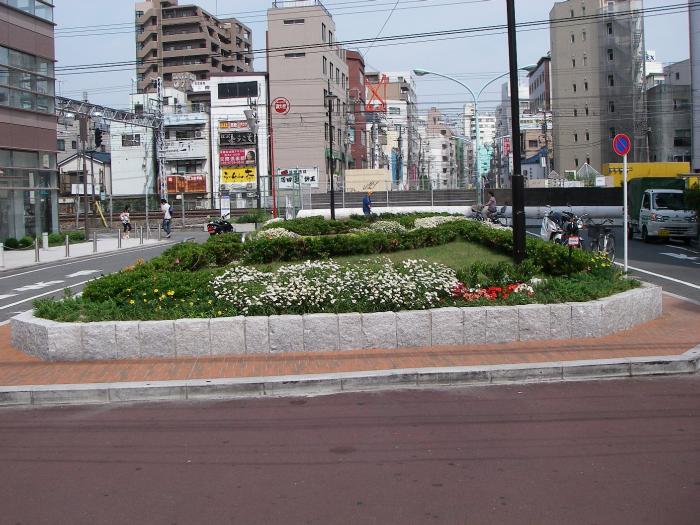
<point>475,98</point>
<point>329,98</point>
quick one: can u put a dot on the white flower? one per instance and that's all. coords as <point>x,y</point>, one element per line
<point>432,222</point>
<point>387,227</point>
<point>276,233</point>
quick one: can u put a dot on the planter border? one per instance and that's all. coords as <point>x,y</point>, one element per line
<point>260,335</point>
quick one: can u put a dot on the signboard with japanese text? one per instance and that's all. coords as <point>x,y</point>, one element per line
<point>186,184</point>
<point>236,156</point>
<point>289,177</point>
<point>233,124</point>
<point>281,105</point>
<point>237,138</point>
<point>238,176</point>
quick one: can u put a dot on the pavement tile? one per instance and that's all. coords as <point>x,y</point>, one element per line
<point>673,333</point>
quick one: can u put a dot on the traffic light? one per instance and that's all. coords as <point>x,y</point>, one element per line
<point>98,138</point>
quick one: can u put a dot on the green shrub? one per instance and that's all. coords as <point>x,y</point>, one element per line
<point>11,243</point>
<point>257,217</point>
<point>26,241</point>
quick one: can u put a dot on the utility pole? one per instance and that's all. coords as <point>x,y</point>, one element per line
<point>399,157</point>
<point>160,142</point>
<point>545,130</point>
<point>330,97</point>
<point>83,140</point>
<point>518,186</point>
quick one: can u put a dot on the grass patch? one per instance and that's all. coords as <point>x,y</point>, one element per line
<point>456,255</point>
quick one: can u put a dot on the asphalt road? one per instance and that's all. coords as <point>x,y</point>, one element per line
<point>670,264</point>
<point>605,452</point>
<point>20,287</point>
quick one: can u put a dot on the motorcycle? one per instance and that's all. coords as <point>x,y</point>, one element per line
<point>499,217</point>
<point>219,226</point>
<point>562,228</point>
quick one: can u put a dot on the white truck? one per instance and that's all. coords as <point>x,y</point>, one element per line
<point>660,212</point>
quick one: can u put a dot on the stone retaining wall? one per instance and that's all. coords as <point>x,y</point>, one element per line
<point>330,332</point>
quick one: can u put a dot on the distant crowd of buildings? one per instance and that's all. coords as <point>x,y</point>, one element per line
<point>225,131</point>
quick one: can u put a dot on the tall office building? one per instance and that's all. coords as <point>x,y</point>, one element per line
<point>597,81</point>
<point>306,69</point>
<point>182,43</point>
<point>28,176</point>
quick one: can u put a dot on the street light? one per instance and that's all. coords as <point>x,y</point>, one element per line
<point>329,99</point>
<point>477,167</point>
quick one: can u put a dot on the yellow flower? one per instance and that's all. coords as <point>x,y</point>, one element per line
<point>218,313</point>
<point>191,303</point>
<point>182,300</point>
<point>132,301</point>
<point>144,293</point>
<point>161,297</point>
<point>145,301</point>
<point>155,290</point>
<point>170,293</point>
<point>210,301</point>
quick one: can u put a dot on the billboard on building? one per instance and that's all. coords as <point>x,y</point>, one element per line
<point>236,156</point>
<point>290,177</point>
<point>238,176</point>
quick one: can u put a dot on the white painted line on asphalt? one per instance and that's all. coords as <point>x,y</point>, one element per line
<point>673,279</point>
<point>37,286</point>
<point>681,256</point>
<point>7,296</point>
<point>83,272</point>
<point>85,258</point>
<point>697,303</point>
<point>681,248</point>
<point>42,295</point>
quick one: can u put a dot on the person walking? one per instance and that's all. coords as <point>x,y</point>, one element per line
<point>367,204</point>
<point>167,210</point>
<point>126,222</point>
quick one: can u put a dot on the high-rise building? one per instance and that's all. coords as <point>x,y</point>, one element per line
<point>597,81</point>
<point>442,152</point>
<point>487,133</point>
<point>670,115</point>
<point>28,175</point>
<point>540,85</point>
<point>357,132</point>
<point>182,43</point>
<point>307,72</point>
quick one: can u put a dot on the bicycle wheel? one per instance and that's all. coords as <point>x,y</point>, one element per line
<point>609,247</point>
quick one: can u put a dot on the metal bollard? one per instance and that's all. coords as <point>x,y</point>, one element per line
<point>67,246</point>
<point>387,197</point>
<point>140,234</point>
<point>432,203</point>
<point>159,232</point>
<point>45,241</point>
<point>94,242</point>
<point>119,238</point>
<point>148,232</point>
<point>36,250</point>
<point>2,255</point>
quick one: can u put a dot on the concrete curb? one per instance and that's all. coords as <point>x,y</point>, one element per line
<point>262,335</point>
<point>324,384</point>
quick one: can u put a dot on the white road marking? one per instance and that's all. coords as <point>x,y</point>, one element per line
<point>84,258</point>
<point>42,295</point>
<point>3,323</point>
<point>83,272</point>
<point>681,248</point>
<point>7,296</point>
<point>662,276</point>
<point>681,256</point>
<point>37,286</point>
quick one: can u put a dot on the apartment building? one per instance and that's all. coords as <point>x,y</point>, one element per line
<point>185,42</point>
<point>357,131</point>
<point>28,173</point>
<point>598,85</point>
<point>393,96</point>
<point>540,85</point>
<point>442,161</point>
<point>307,73</point>
<point>670,115</point>
<point>487,134</point>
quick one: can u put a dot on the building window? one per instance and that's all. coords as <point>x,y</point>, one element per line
<point>680,104</point>
<point>323,32</point>
<point>586,110</point>
<point>678,75</point>
<point>73,144</point>
<point>609,27</point>
<point>337,76</point>
<point>576,162</point>
<point>575,112</point>
<point>326,131</point>
<point>681,138</point>
<point>572,13</point>
<point>574,88</point>
<point>611,107</point>
<point>330,38</point>
<point>612,133</point>
<point>238,90</point>
<point>611,55</point>
<point>573,38</point>
<point>330,72</point>
<point>585,60</point>
<point>588,159</point>
<point>588,136</point>
<point>61,145</point>
<point>575,137</point>
<point>294,55</point>
<point>131,140</point>
<point>532,144</point>
<point>325,65</point>
<point>293,21</point>
<point>573,62</point>
<point>583,35</point>
<point>585,85</point>
<point>611,80</point>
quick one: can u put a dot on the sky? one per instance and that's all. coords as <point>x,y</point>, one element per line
<point>101,31</point>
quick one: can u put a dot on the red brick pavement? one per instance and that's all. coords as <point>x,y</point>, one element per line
<point>677,331</point>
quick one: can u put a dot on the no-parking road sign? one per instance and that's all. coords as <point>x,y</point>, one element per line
<point>622,144</point>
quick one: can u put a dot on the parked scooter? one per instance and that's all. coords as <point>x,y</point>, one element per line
<point>219,226</point>
<point>562,228</point>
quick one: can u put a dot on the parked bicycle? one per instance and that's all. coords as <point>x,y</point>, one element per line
<point>601,238</point>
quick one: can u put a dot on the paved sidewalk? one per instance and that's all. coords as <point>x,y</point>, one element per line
<point>673,334</point>
<point>14,259</point>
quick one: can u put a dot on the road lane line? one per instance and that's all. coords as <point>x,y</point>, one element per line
<point>85,258</point>
<point>7,296</point>
<point>42,295</point>
<point>673,279</point>
<point>681,248</point>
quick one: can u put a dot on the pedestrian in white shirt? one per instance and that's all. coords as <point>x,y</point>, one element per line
<point>167,210</point>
